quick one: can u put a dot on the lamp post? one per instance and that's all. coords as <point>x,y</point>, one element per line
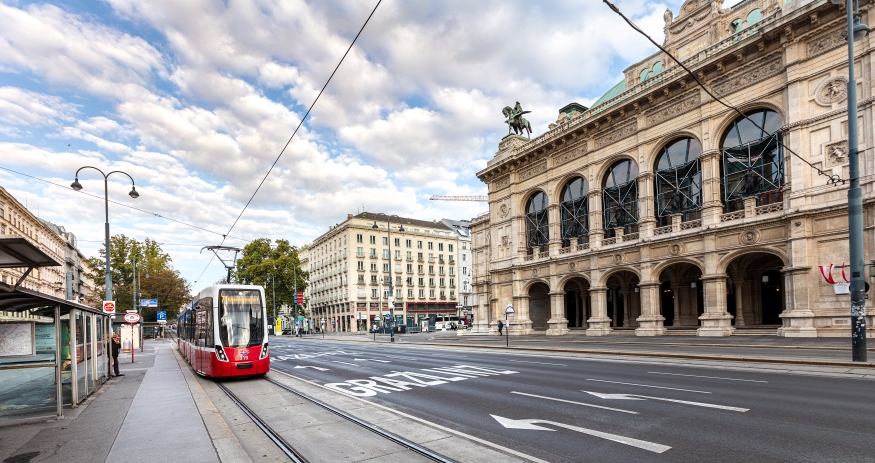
<point>507,312</point>
<point>856,31</point>
<point>391,286</point>
<point>133,194</point>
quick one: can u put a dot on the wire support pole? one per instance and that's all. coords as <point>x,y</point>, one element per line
<point>855,209</point>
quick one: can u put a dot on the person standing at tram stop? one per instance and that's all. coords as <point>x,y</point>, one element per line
<point>115,347</point>
<point>500,326</point>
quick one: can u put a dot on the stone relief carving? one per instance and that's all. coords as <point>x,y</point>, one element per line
<point>502,182</point>
<point>749,237</point>
<point>618,258</point>
<point>532,171</point>
<point>672,110</point>
<point>831,91</point>
<point>503,210</point>
<point>570,154</point>
<point>616,135</point>
<point>572,266</point>
<point>676,249</point>
<point>750,74</point>
<point>835,154</point>
<point>826,42</point>
<point>505,240</point>
<point>534,272</point>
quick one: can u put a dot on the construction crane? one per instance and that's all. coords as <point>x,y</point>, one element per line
<point>481,199</point>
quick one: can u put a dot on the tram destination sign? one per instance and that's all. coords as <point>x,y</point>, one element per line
<point>132,318</point>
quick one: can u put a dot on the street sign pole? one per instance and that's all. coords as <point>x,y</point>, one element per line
<point>507,311</point>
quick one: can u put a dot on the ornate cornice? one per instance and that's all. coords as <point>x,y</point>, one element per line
<point>616,134</point>
<point>749,74</point>
<point>673,108</point>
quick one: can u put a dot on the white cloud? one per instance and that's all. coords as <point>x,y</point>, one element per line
<point>26,108</point>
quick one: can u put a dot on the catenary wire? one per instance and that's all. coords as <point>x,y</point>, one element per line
<point>121,204</point>
<point>282,151</point>
<point>833,178</point>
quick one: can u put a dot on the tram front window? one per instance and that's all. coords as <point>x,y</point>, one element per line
<point>240,320</point>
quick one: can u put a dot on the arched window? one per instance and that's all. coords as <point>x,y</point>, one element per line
<point>736,25</point>
<point>657,68</point>
<point>754,17</point>
<point>574,213</point>
<point>753,159</point>
<point>537,221</point>
<point>644,75</point>
<point>679,180</point>
<point>620,198</point>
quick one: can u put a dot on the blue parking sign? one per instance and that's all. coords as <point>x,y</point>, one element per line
<point>162,316</point>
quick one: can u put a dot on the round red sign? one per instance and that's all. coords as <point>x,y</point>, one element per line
<point>132,318</point>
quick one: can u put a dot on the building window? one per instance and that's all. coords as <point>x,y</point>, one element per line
<point>441,270</point>
<point>442,282</point>
<point>421,282</point>
<point>409,255</point>
<point>373,266</point>
<point>419,268</point>
<point>452,270</point>
<point>450,248</point>
<point>360,252</point>
<point>422,294</point>
<point>409,268</point>
<point>385,253</point>
<point>431,293</point>
<point>678,181</point>
<point>410,293</point>
<point>753,160</point>
<point>409,281</point>
<point>464,257</point>
<point>386,268</point>
<point>537,222</point>
<point>397,255</point>
<point>409,243</point>
<point>398,242</point>
<point>361,265</point>
<point>440,246</point>
<point>361,293</point>
<point>430,245</point>
<point>374,293</point>
<point>419,245</point>
<point>373,252</point>
<point>620,198</point>
<point>466,300</point>
<point>431,281</point>
<point>574,212</point>
<point>373,239</point>
<point>359,238</point>
<point>385,241</point>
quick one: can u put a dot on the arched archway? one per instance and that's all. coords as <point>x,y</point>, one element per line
<point>537,222</point>
<point>539,306</point>
<point>755,288</point>
<point>577,309</point>
<point>752,160</point>
<point>620,198</point>
<point>623,299</point>
<point>678,180</point>
<point>681,294</point>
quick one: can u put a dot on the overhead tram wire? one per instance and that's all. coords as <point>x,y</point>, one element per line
<point>297,128</point>
<point>122,204</point>
<point>833,178</point>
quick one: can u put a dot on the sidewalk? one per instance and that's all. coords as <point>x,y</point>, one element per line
<point>151,414</point>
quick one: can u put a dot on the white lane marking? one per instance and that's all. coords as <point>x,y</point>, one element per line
<point>709,377</point>
<point>315,368</point>
<point>371,360</point>
<point>345,363</point>
<point>402,358</point>
<point>539,363</point>
<point>644,397</point>
<point>573,402</point>
<point>645,385</point>
<point>530,425</point>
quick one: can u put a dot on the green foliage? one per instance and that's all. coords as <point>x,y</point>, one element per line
<point>156,277</point>
<point>259,262</point>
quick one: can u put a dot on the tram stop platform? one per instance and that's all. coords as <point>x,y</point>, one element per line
<point>156,412</point>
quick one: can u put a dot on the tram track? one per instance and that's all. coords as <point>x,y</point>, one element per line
<point>294,455</point>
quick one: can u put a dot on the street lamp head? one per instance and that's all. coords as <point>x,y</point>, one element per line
<point>133,193</point>
<point>860,29</point>
<point>401,228</point>
<point>76,185</point>
<point>375,225</point>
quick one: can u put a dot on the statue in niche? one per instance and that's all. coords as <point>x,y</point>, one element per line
<point>676,203</point>
<point>749,181</point>
<point>620,215</point>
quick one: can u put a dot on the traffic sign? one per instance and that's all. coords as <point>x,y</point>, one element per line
<point>132,318</point>
<point>162,316</point>
<point>299,298</point>
<point>109,307</point>
<point>148,302</point>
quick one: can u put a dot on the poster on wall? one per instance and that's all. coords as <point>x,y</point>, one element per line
<point>16,339</point>
<point>45,338</point>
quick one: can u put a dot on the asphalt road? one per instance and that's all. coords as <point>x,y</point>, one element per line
<point>563,409</point>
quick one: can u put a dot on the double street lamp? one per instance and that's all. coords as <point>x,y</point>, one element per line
<point>133,194</point>
<point>856,31</point>
<point>391,286</point>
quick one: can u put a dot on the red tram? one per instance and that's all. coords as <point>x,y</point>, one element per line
<point>224,332</point>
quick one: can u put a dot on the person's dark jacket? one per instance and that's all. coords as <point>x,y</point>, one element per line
<point>115,347</point>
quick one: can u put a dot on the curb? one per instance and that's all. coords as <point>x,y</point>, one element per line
<point>727,358</point>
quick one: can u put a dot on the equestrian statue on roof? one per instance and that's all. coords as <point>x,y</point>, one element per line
<point>515,120</point>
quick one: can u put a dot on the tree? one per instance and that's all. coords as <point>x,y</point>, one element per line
<point>260,262</point>
<point>157,279</point>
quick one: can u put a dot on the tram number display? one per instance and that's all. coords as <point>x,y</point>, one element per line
<point>132,318</point>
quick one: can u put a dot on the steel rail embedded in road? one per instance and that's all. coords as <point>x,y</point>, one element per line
<point>271,434</point>
<point>380,432</point>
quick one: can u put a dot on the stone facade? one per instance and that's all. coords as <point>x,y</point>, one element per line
<point>730,238</point>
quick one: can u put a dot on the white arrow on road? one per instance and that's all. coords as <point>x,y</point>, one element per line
<point>530,424</point>
<point>371,360</point>
<point>645,397</point>
<point>315,368</point>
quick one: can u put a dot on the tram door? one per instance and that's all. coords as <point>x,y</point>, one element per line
<point>200,338</point>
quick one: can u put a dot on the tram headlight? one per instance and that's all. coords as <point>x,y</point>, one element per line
<point>265,351</point>
<point>220,353</point>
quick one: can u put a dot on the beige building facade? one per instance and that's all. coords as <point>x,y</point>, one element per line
<point>659,208</point>
<point>351,264</point>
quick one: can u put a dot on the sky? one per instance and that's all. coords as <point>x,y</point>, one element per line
<point>196,99</point>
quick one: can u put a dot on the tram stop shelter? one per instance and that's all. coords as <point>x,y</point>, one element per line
<point>52,351</point>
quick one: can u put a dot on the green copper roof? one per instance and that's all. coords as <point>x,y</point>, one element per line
<point>614,91</point>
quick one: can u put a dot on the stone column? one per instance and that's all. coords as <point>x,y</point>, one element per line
<point>628,306</point>
<point>797,319</point>
<point>676,297</point>
<point>557,324</point>
<point>715,320</point>
<point>519,321</point>
<point>712,202</point>
<point>599,323</point>
<point>650,323</point>
<point>646,212</point>
<point>596,229</point>
<point>739,287</point>
<point>577,305</point>
<point>614,295</point>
